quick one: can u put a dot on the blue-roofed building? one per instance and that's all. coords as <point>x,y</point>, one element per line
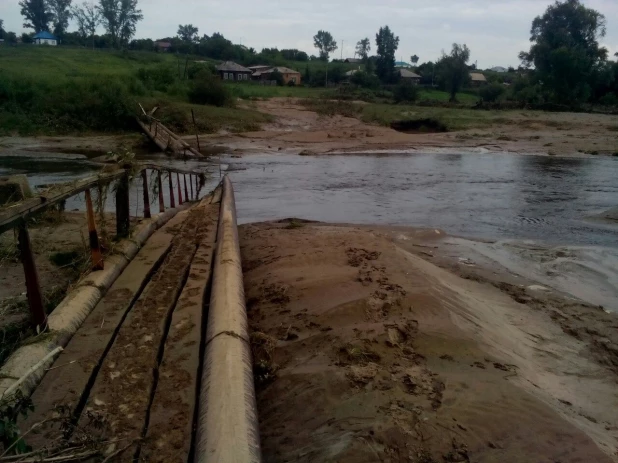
<point>45,38</point>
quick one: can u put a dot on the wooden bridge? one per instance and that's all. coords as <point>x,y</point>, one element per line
<point>148,358</point>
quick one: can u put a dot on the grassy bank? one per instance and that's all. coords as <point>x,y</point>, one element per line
<point>57,91</point>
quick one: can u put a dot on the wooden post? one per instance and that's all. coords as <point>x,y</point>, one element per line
<point>179,190</point>
<point>197,187</point>
<point>123,221</point>
<point>172,201</point>
<point>146,196</point>
<point>191,185</point>
<point>95,247</point>
<point>197,136</point>
<point>161,202</point>
<point>35,297</point>
<point>156,128</point>
<point>184,176</point>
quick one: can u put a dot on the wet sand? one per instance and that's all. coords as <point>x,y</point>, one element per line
<point>369,347</point>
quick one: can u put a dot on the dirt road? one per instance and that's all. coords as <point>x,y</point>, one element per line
<point>367,352</point>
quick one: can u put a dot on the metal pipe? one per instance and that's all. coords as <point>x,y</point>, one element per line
<point>227,429</point>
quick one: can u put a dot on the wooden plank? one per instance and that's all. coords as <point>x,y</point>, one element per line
<point>33,288</point>
<point>184,176</point>
<point>95,247</point>
<point>191,184</point>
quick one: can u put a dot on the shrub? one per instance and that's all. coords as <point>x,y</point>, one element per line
<point>491,92</point>
<point>609,99</point>
<point>405,92</point>
<point>158,77</point>
<point>291,83</point>
<point>365,80</point>
<point>206,89</point>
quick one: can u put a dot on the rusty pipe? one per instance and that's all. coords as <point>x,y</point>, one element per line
<point>227,430</point>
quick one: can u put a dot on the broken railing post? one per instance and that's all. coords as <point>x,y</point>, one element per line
<point>179,190</point>
<point>33,288</point>
<point>95,247</point>
<point>146,197</point>
<point>184,176</point>
<point>161,202</point>
<point>122,207</point>
<point>191,185</point>
<point>172,201</point>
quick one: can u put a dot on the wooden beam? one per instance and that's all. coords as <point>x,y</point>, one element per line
<point>172,201</point>
<point>184,176</point>
<point>146,196</point>
<point>191,185</point>
<point>123,220</point>
<point>95,247</point>
<point>179,190</point>
<point>33,288</point>
<point>161,202</point>
<point>11,216</point>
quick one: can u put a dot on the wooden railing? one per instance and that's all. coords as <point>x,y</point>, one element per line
<point>18,215</point>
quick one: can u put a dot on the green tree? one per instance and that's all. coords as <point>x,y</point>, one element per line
<point>120,18</point>
<point>188,33</point>
<point>88,19</point>
<point>325,43</point>
<point>61,13</point>
<point>452,70</point>
<point>36,14</point>
<point>565,50</point>
<point>1,29</point>
<point>414,59</point>
<point>363,47</point>
<point>387,44</point>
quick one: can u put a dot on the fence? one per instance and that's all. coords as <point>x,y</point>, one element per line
<point>17,216</point>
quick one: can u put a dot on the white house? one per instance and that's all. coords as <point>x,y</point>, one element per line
<point>45,38</point>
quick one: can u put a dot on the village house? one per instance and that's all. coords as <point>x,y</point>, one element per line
<point>233,71</point>
<point>163,46</point>
<point>45,38</point>
<point>289,75</point>
<point>477,79</point>
<point>409,76</point>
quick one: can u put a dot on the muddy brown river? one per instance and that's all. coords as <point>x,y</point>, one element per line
<point>540,213</point>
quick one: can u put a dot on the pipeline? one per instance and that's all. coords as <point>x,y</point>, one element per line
<point>227,430</point>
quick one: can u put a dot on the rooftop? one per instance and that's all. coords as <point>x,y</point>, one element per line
<point>408,74</point>
<point>477,77</point>
<point>44,35</point>
<point>233,67</point>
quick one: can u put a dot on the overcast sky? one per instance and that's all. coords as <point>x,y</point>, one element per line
<point>495,30</point>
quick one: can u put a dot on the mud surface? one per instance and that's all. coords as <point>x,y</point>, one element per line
<point>365,352</point>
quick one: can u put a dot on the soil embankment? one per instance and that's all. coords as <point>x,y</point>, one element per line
<point>365,351</point>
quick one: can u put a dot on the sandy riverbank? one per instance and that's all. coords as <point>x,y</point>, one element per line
<point>298,129</point>
<point>387,349</point>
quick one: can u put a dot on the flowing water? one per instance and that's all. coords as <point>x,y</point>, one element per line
<point>539,211</point>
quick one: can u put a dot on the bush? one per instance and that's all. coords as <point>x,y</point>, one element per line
<point>29,106</point>
<point>609,99</point>
<point>206,89</point>
<point>365,80</point>
<point>405,92</point>
<point>291,83</point>
<point>491,92</point>
<point>158,77</point>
